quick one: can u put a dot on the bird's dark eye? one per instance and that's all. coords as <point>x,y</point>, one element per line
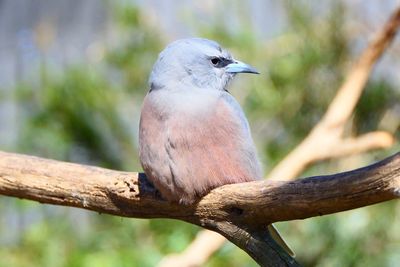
<point>220,62</point>
<point>215,61</point>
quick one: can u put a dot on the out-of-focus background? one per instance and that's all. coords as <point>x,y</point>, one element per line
<point>72,78</point>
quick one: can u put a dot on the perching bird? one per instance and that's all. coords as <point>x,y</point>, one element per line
<point>193,134</point>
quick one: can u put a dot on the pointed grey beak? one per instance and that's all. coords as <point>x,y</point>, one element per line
<point>240,67</point>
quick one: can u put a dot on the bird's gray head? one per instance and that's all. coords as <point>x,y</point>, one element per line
<point>195,62</point>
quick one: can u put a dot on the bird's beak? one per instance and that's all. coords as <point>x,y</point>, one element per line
<point>240,67</point>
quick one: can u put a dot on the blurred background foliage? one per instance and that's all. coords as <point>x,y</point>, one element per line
<point>88,113</point>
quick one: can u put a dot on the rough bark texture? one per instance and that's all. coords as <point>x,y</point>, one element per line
<point>240,212</point>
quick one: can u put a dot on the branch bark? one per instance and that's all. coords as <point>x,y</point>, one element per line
<point>240,212</point>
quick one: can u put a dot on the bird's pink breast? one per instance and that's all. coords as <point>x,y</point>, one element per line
<point>187,155</point>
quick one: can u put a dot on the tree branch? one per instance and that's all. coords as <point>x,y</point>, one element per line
<point>328,133</point>
<point>240,212</point>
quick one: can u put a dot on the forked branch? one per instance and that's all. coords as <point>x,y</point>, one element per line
<point>240,212</point>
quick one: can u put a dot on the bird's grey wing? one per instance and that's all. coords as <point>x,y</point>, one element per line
<point>152,140</point>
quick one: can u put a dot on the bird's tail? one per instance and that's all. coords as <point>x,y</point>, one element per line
<point>278,239</point>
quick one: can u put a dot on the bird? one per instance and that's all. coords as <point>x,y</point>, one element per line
<point>193,134</point>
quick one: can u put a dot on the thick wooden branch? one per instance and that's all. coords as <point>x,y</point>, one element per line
<point>240,212</point>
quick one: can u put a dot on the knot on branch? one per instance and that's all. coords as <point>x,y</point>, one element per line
<point>131,186</point>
